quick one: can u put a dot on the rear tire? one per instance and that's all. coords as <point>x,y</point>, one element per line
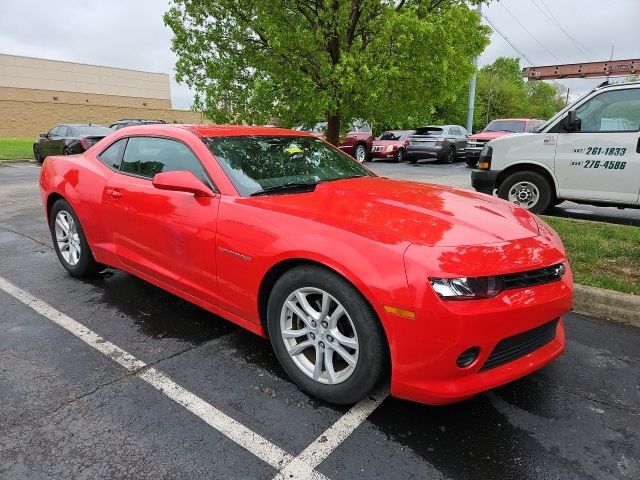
<point>527,189</point>
<point>70,242</point>
<point>450,156</point>
<point>326,335</point>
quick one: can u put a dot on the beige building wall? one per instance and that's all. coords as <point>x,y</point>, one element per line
<point>36,94</point>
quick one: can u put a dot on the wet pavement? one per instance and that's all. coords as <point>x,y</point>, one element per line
<point>66,411</point>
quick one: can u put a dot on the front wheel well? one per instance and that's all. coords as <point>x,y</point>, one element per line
<point>523,168</point>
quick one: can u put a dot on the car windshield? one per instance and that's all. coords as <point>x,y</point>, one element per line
<point>396,136</point>
<point>256,163</point>
<point>513,126</point>
<point>91,131</point>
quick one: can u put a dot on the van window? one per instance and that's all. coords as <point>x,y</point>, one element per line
<point>613,111</point>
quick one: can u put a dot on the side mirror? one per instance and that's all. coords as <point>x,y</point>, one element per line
<point>44,135</point>
<point>570,123</point>
<point>181,181</point>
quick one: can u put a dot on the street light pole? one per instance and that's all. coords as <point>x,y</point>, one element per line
<point>472,86</point>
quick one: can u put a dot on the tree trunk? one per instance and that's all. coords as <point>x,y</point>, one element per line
<point>333,129</point>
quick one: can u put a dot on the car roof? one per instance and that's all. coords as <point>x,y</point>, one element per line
<point>517,119</point>
<point>211,130</point>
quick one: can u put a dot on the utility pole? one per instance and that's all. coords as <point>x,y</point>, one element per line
<point>490,69</point>
<point>472,86</point>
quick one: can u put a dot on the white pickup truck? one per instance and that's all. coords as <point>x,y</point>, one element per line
<point>588,152</point>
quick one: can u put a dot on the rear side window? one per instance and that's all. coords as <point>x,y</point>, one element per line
<point>428,131</point>
<point>147,156</point>
<point>112,156</point>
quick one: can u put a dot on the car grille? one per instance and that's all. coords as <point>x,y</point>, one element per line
<point>520,345</point>
<point>476,143</point>
<point>533,277</point>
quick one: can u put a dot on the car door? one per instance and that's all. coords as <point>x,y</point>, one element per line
<point>166,235</point>
<point>47,145</point>
<point>600,158</point>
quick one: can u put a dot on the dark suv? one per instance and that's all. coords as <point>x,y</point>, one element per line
<point>442,142</point>
<point>128,122</point>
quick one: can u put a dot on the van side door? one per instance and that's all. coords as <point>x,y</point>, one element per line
<point>599,157</point>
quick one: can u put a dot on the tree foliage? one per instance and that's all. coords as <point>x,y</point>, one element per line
<point>389,62</point>
<point>501,92</point>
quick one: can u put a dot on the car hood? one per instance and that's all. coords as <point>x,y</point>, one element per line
<point>488,135</point>
<point>416,212</point>
<point>385,143</point>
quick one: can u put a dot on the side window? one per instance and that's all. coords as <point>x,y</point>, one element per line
<point>613,111</point>
<point>146,156</point>
<point>112,156</point>
<point>63,131</point>
<point>54,131</point>
<point>454,131</point>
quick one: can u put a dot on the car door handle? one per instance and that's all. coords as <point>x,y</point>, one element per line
<point>112,192</point>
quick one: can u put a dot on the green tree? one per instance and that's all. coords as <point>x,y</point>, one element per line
<point>501,92</point>
<point>389,62</point>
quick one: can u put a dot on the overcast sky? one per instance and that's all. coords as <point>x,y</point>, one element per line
<point>131,34</point>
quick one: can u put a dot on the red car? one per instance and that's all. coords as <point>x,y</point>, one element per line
<point>357,142</point>
<point>391,144</point>
<point>355,278</point>
<point>496,129</point>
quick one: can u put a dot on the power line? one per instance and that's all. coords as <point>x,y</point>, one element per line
<point>551,17</point>
<point>530,34</point>
<point>495,29</point>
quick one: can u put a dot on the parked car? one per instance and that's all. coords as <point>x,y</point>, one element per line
<point>443,142</point>
<point>357,142</point>
<point>589,152</point>
<point>355,278</point>
<point>68,139</point>
<point>391,144</point>
<point>129,122</point>
<point>496,129</point>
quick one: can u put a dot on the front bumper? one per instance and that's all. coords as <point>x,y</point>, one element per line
<point>484,181</point>
<point>424,350</point>
<point>384,154</point>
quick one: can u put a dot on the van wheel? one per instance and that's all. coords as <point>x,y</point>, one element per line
<point>529,190</point>
<point>326,336</point>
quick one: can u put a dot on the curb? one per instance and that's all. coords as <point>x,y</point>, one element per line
<point>614,306</point>
<point>17,160</point>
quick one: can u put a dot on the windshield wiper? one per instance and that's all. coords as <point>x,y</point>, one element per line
<point>285,187</point>
<point>342,178</point>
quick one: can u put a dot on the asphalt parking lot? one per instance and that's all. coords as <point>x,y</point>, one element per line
<point>114,378</point>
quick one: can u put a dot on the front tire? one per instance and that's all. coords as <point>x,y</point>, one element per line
<point>471,162</point>
<point>527,189</point>
<point>360,153</point>
<point>400,155</point>
<point>67,151</point>
<point>70,242</point>
<point>326,336</point>
<point>37,155</point>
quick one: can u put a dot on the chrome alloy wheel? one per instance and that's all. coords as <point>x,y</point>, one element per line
<point>361,153</point>
<point>525,194</point>
<point>67,237</point>
<point>319,335</point>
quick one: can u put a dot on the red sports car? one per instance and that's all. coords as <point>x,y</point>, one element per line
<point>391,144</point>
<point>353,277</point>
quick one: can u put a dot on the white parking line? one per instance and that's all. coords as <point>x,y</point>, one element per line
<point>303,466</point>
<point>235,431</point>
<point>300,467</point>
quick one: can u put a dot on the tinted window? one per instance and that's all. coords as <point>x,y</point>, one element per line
<point>54,131</point>
<point>396,136</point>
<point>146,156</point>
<point>428,131</point>
<point>112,155</point>
<point>614,111</point>
<point>253,163</point>
<point>91,131</point>
<point>454,131</point>
<point>513,126</point>
<point>64,131</point>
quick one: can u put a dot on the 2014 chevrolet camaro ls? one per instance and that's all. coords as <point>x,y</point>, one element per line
<point>354,278</point>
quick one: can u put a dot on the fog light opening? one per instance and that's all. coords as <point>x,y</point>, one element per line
<point>468,357</point>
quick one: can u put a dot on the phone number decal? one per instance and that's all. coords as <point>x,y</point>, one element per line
<point>613,151</point>
<point>608,164</point>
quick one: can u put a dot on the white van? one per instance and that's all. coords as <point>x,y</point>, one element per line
<point>588,152</point>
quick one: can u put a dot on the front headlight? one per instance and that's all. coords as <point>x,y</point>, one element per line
<point>466,288</point>
<point>390,148</point>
